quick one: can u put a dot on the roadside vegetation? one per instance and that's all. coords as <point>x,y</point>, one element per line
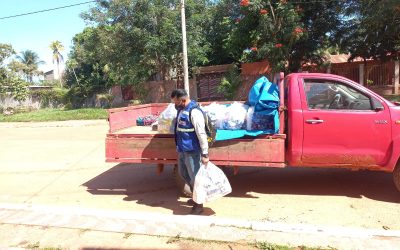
<point>45,115</point>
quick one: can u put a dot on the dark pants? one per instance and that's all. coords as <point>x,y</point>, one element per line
<point>189,165</point>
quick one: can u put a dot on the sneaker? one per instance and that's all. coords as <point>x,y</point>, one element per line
<point>190,202</point>
<point>197,209</point>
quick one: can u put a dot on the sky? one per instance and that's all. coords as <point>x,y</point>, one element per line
<point>36,32</point>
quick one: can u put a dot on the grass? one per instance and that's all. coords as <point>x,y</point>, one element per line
<point>268,246</point>
<point>257,245</point>
<point>45,115</point>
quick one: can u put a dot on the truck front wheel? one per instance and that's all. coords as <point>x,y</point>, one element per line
<point>180,183</point>
<point>396,176</point>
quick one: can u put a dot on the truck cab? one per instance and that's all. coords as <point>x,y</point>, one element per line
<point>333,121</point>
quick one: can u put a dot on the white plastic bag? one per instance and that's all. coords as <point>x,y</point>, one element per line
<point>249,118</point>
<point>166,120</point>
<point>217,114</point>
<point>236,116</point>
<point>210,184</point>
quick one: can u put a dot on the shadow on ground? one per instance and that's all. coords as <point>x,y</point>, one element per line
<point>141,183</point>
<point>314,181</point>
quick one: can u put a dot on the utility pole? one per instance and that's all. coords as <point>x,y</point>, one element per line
<point>184,43</point>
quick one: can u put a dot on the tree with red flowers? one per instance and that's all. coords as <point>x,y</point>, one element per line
<point>286,34</point>
<point>267,30</point>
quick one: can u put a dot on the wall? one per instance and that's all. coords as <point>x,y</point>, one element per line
<point>157,91</point>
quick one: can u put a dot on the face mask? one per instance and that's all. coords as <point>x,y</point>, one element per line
<point>180,106</point>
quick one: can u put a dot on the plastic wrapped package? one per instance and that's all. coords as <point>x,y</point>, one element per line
<point>260,121</point>
<point>217,114</point>
<point>146,120</point>
<point>235,116</point>
<point>263,122</point>
<point>166,120</point>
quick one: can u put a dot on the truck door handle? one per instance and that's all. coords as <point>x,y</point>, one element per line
<point>314,121</point>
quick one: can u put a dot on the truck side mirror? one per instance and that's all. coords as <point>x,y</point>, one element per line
<point>377,105</point>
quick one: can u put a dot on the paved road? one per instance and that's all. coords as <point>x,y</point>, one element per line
<point>62,164</point>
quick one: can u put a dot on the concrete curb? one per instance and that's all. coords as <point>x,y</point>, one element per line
<point>200,227</point>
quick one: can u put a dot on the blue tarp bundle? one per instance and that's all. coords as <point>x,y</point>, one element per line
<point>264,97</point>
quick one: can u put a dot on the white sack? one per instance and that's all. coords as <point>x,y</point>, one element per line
<point>210,184</point>
<point>166,120</point>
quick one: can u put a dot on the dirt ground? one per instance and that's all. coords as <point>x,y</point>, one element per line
<point>62,164</point>
<point>64,238</point>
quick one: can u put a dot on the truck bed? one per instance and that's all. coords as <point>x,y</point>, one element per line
<point>126,142</point>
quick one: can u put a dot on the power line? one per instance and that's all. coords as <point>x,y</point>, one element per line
<point>39,11</point>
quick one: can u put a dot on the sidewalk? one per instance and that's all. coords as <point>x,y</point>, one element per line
<point>199,227</point>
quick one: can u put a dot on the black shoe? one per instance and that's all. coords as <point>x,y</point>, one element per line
<point>197,209</point>
<point>190,202</point>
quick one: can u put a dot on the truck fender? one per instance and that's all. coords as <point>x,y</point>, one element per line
<point>396,176</point>
<point>395,154</point>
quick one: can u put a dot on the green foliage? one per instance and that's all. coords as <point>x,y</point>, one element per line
<point>269,246</point>
<point>15,86</point>
<point>78,94</point>
<point>52,83</point>
<point>43,115</point>
<point>9,80</point>
<point>373,29</point>
<point>285,33</point>
<point>104,100</point>
<point>57,47</point>
<point>6,51</point>
<point>267,30</point>
<point>51,97</point>
<point>30,62</point>
<point>230,83</point>
<point>131,41</point>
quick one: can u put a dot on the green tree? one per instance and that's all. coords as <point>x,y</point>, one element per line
<point>31,62</point>
<point>142,38</point>
<point>267,30</point>
<point>222,21</point>
<point>6,51</point>
<point>86,73</point>
<point>324,24</point>
<point>58,58</point>
<point>286,33</point>
<point>373,29</point>
<point>9,80</point>
<point>132,41</point>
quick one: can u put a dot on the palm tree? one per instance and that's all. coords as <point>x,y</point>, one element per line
<point>57,47</point>
<point>31,62</point>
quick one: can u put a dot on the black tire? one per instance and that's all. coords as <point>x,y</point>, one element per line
<point>396,176</point>
<point>180,183</point>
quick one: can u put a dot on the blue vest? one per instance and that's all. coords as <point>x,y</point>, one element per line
<point>185,135</point>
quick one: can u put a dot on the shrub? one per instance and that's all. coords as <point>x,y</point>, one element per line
<point>51,97</point>
<point>230,83</point>
<point>104,100</point>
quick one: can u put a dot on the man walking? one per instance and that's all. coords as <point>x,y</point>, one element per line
<point>191,140</point>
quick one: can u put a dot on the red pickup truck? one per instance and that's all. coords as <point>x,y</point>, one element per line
<point>325,121</point>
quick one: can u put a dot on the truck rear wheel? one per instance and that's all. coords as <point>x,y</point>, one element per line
<point>396,176</point>
<point>180,183</point>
